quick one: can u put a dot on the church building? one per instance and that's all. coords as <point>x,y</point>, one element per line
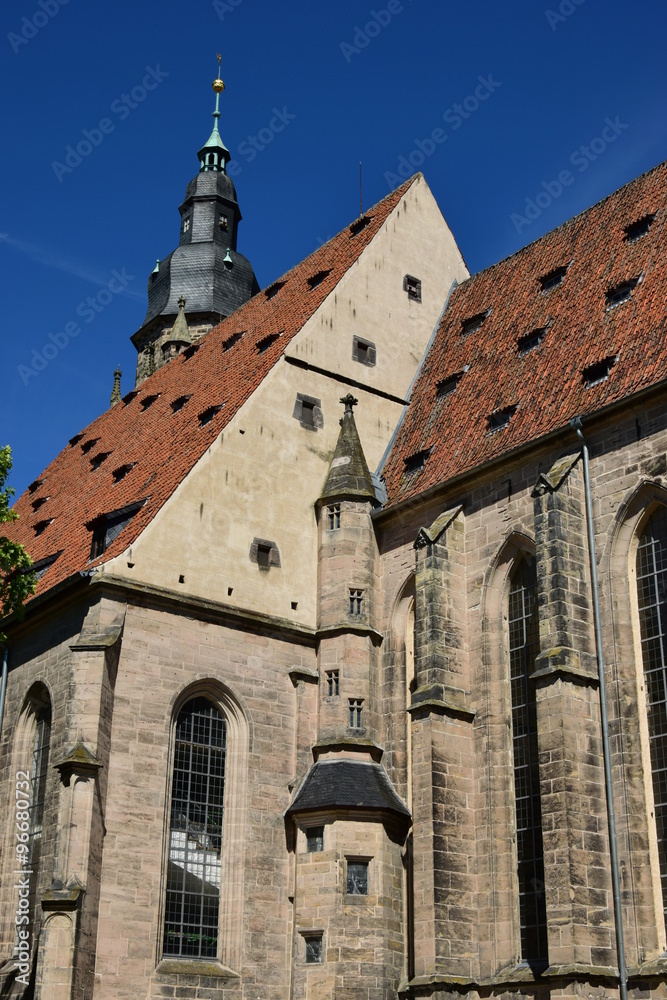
<point>345,677</point>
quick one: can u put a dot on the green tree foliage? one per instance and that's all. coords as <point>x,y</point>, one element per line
<point>17,582</point>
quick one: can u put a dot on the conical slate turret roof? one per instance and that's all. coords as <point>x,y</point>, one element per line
<point>349,476</point>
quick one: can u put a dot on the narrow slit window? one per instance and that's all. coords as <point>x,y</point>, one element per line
<point>333,515</point>
<point>332,683</point>
<point>356,602</point>
<point>523,649</point>
<point>356,707</point>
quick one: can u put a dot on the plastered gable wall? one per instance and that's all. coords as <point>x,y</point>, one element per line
<point>478,786</point>
<point>262,476</point>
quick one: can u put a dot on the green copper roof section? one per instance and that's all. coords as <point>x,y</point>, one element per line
<point>214,155</point>
<point>349,476</point>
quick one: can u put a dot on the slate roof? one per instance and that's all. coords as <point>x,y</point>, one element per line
<point>347,784</point>
<point>348,472</point>
<point>141,448</point>
<point>486,388</point>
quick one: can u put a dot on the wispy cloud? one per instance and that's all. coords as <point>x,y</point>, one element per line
<point>45,257</point>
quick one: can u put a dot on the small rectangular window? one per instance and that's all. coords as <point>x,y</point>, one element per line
<point>598,372</point>
<point>206,416</point>
<point>265,553</point>
<point>315,839</point>
<point>357,878</point>
<point>620,293</point>
<point>317,279</point>
<point>500,418</point>
<point>637,229</point>
<point>413,463</point>
<point>265,342</point>
<point>313,949</point>
<point>356,601</point>
<point>355,706</point>
<point>332,682</point>
<point>274,289</point>
<point>308,411</point>
<point>553,279</point>
<point>413,287</point>
<point>474,323</point>
<point>97,460</point>
<point>364,352</point>
<point>333,515</point>
<point>107,528</point>
<point>446,386</point>
<point>234,339</point>
<point>529,341</point>
<point>360,224</point>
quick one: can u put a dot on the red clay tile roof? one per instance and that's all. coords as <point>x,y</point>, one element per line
<point>540,389</point>
<point>161,445</point>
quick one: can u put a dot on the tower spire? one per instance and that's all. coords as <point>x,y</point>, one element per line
<point>215,155</point>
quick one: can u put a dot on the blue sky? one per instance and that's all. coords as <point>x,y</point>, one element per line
<point>491,101</point>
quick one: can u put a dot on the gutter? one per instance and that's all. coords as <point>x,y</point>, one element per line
<point>576,424</point>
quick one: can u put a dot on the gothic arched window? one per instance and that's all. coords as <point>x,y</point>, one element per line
<point>652,602</point>
<point>195,834</point>
<point>523,649</point>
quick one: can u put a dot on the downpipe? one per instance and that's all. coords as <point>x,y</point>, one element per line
<point>575,423</point>
<point>3,687</point>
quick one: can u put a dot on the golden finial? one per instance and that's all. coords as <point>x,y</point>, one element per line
<point>219,85</point>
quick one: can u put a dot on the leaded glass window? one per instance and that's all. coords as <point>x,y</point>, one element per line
<point>38,773</point>
<point>195,836</point>
<point>523,649</point>
<point>652,599</point>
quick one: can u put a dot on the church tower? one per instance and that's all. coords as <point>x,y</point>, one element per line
<point>205,269</point>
